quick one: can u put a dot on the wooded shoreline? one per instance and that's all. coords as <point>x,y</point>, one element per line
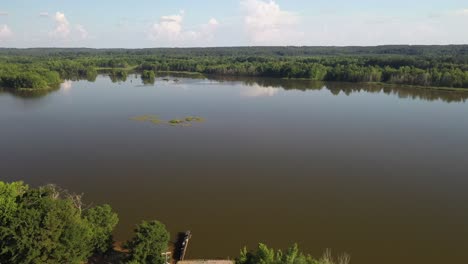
<point>423,66</point>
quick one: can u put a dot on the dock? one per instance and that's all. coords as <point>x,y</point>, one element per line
<point>181,245</point>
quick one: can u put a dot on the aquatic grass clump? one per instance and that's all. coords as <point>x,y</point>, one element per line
<point>194,119</point>
<point>179,122</point>
<point>176,121</point>
<point>150,118</point>
<point>154,119</point>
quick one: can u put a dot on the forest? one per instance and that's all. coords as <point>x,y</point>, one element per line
<point>426,66</point>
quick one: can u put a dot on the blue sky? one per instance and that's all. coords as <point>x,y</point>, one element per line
<point>183,23</point>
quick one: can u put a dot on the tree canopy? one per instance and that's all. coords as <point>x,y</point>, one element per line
<point>49,225</point>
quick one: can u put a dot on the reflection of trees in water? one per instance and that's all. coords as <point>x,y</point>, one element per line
<point>89,76</point>
<point>421,93</point>
<point>118,77</point>
<point>336,88</point>
<point>190,75</point>
<point>115,75</point>
<point>30,93</point>
<point>148,81</point>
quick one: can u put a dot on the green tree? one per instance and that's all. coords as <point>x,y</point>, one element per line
<point>48,225</point>
<point>45,229</point>
<point>148,77</point>
<point>150,240</point>
<point>102,221</point>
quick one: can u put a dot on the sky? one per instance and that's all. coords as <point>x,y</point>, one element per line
<point>208,23</point>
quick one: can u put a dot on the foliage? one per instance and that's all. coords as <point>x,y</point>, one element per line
<point>148,77</point>
<point>48,225</point>
<point>117,75</point>
<point>151,239</point>
<point>33,77</point>
<point>102,221</point>
<point>265,255</point>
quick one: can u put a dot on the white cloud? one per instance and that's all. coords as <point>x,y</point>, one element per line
<point>378,29</point>
<point>44,14</point>
<point>62,26</point>
<point>208,30</point>
<point>462,12</point>
<point>5,32</point>
<point>64,30</point>
<point>213,21</point>
<point>3,14</point>
<point>82,31</point>
<point>168,28</point>
<point>267,24</point>
<point>169,31</point>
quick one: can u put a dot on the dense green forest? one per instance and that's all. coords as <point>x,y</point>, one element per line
<point>429,66</point>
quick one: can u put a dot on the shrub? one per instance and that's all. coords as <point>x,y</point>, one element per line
<point>150,240</point>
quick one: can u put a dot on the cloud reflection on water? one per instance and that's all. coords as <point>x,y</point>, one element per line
<point>256,90</point>
<point>66,86</point>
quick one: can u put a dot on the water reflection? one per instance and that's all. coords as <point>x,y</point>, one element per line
<point>29,93</point>
<point>336,88</point>
<point>256,90</point>
<point>267,87</point>
<point>66,86</point>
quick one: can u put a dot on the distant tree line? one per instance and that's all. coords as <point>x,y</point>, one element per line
<point>439,66</point>
<point>342,69</point>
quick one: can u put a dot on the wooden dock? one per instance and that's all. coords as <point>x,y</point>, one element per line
<point>181,245</point>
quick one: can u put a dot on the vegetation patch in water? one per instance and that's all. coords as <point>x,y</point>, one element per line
<point>194,119</point>
<point>148,118</point>
<point>176,121</point>
<point>154,119</point>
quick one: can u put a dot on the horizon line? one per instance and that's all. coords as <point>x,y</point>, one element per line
<point>248,46</point>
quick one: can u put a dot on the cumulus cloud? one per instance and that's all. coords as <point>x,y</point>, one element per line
<point>5,32</point>
<point>63,30</point>
<point>62,26</point>
<point>267,24</point>
<point>168,28</point>
<point>379,29</point>
<point>207,30</point>
<point>170,31</point>
<point>462,12</point>
<point>82,31</point>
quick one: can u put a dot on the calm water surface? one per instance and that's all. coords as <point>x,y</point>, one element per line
<point>380,173</point>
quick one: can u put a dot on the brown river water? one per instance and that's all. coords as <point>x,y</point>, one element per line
<point>379,172</point>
